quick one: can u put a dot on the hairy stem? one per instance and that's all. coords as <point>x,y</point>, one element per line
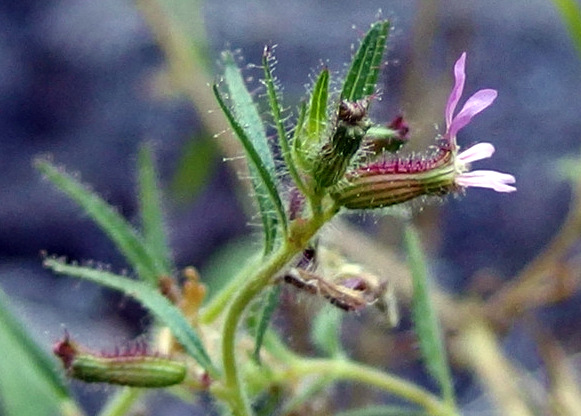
<point>300,233</point>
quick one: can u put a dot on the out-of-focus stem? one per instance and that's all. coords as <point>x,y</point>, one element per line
<point>339,369</point>
<point>482,353</point>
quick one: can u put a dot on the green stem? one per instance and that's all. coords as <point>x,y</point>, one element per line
<point>299,235</point>
<point>348,370</point>
<point>218,303</point>
<point>120,403</point>
<point>277,261</point>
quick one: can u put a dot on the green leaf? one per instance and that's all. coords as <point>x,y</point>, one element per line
<point>312,124</point>
<point>317,118</point>
<point>27,372</point>
<point>275,109</point>
<point>110,221</point>
<point>383,411</point>
<point>248,126</point>
<point>156,303</point>
<point>426,322</point>
<point>366,65</point>
<point>268,308</point>
<point>571,15</point>
<point>269,202</point>
<point>326,331</point>
<point>151,211</point>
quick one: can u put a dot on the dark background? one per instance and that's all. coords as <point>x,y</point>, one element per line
<point>78,82</point>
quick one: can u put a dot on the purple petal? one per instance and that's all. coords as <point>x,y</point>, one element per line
<point>473,106</point>
<point>477,152</point>
<point>460,77</point>
<point>491,179</point>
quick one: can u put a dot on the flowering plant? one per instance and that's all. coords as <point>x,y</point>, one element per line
<point>335,157</point>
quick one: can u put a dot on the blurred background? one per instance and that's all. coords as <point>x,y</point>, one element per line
<point>86,83</point>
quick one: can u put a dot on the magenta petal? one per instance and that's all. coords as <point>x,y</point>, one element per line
<point>475,104</point>
<point>477,152</point>
<point>460,77</point>
<point>491,179</point>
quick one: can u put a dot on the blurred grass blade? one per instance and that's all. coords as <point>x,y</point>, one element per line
<point>26,371</point>
<point>110,221</point>
<point>326,331</point>
<point>151,211</point>
<point>269,306</point>
<point>156,303</point>
<point>571,14</point>
<point>383,411</point>
<point>275,109</point>
<point>426,322</point>
<point>366,65</point>
<point>267,196</point>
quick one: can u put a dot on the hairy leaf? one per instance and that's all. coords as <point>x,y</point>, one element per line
<point>366,65</point>
<point>156,303</point>
<point>110,221</point>
<point>313,122</point>
<point>276,112</point>
<point>151,211</point>
<point>248,127</point>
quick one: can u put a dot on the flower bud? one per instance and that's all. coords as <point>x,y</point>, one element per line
<point>352,123</point>
<point>134,367</point>
<point>387,183</point>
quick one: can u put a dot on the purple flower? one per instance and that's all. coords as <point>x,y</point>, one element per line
<point>394,181</point>
<point>500,182</point>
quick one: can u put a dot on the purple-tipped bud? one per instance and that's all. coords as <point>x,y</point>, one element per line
<point>387,183</point>
<point>390,138</point>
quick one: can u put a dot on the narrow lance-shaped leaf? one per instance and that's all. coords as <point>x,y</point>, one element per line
<point>110,221</point>
<point>151,211</point>
<point>275,109</point>
<point>257,170</point>
<point>317,117</point>
<point>312,123</point>
<point>245,116</point>
<point>268,308</point>
<point>426,322</point>
<point>156,303</point>
<point>297,150</point>
<point>27,371</point>
<point>366,65</point>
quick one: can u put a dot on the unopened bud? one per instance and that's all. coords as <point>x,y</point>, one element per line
<point>390,138</point>
<point>352,123</point>
<point>383,184</point>
<point>134,367</point>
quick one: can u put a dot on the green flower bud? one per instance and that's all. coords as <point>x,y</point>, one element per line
<point>134,367</point>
